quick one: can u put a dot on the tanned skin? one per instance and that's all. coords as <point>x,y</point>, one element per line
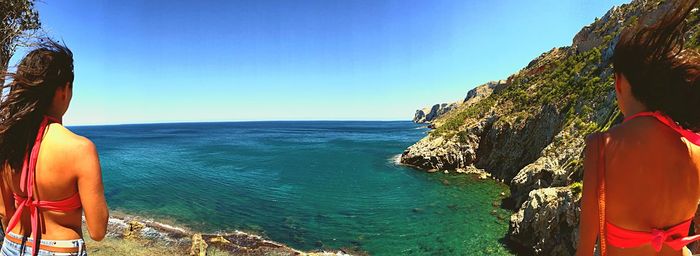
<point>67,164</point>
<point>652,177</point>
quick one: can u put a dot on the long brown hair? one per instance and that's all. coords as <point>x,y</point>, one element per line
<point>27,96</point>
<point>663,74</point>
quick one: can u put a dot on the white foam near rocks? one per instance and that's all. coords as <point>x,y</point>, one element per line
<point>396,159</point>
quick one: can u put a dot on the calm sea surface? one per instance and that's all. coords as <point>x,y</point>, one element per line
<point>311,185</point>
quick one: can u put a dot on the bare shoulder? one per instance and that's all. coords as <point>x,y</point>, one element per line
<point>621,130</point>
<point>72,143</point>
<point>623,133</point>
<point>77,153</point>
<point>592,138</point>
<point>592,141</point>
<point>641,128</point>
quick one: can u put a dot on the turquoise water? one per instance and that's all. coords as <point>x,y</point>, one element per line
<point>311,185</point>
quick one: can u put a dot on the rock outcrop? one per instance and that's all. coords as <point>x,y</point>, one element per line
<point>548,221</point>
<point>199,246</point>
<point>528,130</point>
<point>442,153</point>
<point>133,230</point>
<point>483,91</point>
<point>177,239</point>
<point>426,115</point>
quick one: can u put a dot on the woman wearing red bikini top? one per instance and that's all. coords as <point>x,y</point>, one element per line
<point>642,177</point>
<point>50,176</point>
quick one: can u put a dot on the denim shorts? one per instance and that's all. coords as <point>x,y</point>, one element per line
<point>10,248</point>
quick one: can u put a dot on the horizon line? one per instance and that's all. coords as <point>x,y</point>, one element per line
<point>246,121</point>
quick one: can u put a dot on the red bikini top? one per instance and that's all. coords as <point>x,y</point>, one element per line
<point>675,236</point>
<point>27,185</point>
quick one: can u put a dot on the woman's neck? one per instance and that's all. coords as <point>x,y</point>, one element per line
<point>633,109</point>
<point>55,116</point>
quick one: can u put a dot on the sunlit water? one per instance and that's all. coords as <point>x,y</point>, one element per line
<point>311,185</point>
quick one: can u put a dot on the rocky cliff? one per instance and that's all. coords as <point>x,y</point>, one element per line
<point>528,130</point>
<point>429,114</point>
<point>482,91</point>
<point>426,115</point>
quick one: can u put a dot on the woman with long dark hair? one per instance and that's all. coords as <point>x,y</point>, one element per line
<point>50,176</point>
<point>642,177</point>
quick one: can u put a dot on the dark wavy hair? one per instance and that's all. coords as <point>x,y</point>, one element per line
<point>663,74</point>
<point>27,96</point>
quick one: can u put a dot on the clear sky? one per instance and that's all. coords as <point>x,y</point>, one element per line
<point>169,61</point>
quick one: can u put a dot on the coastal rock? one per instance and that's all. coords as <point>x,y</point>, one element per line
<point>338,253</point>
<point>511,143</point>
<point>556,167</point>
<point>133,230</point>
<point>427,115</point>
<point>219,239</point>
<point>547,222</point>
<point>199,246</point>
<point>471,169</point>
<point>483,142</point>
<point>434,154</point>
<point>152,233</point>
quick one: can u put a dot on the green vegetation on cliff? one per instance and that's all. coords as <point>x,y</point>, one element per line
<point>567,78</point>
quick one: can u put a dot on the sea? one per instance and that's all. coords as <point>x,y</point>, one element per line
<point>313,185</point>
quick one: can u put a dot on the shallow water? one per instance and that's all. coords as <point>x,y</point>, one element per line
<point>311,185</point>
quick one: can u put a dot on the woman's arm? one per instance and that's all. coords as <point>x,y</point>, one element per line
<point>91,190</point>
<point>588,227</point>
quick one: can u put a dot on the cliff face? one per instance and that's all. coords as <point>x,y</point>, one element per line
<point>529,129</point>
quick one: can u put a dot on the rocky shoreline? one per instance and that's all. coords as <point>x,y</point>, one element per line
<point>134,235</point>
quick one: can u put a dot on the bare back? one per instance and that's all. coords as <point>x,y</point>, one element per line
<point>62,170</point>
<point>652,179</point>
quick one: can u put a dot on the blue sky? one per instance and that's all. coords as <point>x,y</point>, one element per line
<point>171,61</point>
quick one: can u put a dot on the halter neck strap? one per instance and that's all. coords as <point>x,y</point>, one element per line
<point>666,120</point>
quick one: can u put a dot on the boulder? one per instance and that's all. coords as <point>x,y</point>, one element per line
<point>547,222</point>
<point>133,230</point>
<point>199,246</point>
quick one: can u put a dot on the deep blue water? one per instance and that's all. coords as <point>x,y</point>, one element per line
<point>311,185</point>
